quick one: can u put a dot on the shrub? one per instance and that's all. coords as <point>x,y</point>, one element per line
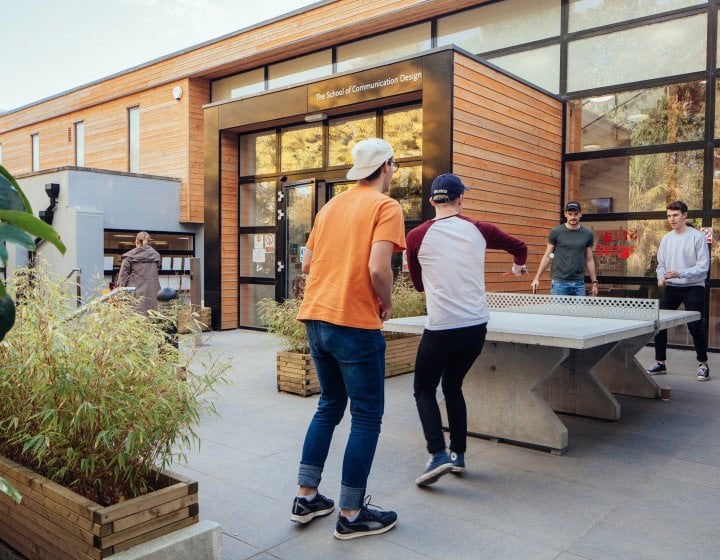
<point>280,318</point>
<point>94,401</point>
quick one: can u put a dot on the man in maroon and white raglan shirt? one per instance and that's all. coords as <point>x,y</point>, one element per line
<point>446,260</point>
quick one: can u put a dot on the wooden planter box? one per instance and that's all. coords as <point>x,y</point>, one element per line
<point>296,372</point>
<point>55,523</point>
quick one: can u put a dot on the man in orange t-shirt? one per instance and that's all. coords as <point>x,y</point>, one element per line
<point>347,297</point>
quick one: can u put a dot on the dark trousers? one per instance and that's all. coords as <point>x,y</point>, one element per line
<point>445,356</point>
<point>694,299</point>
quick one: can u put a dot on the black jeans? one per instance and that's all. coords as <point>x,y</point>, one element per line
<point>694,299</point>
<point>445,355</point>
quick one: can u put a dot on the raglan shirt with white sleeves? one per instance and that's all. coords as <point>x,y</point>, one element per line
<point>686,253</point>
<point>446,260</point>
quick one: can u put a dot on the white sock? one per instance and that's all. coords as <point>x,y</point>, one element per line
<point>309,498</point>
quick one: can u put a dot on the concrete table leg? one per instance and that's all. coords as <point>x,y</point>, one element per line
<point>503,401</point>
<point>574,388</point>
<point>623,374</point>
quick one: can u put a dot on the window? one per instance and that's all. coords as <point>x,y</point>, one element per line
<point>343,134</point>
<point>637,183</point>
<point>238,85</point>
<point>134,139</point>
<point>80,144</point>
<point>383,48</point>
<point>538,66</point>
<point>585,14</point>
<point>301,147</point>
<point>641,117</point>
<point>615,58</point>
<point>301,69</point>
<point>500,25</point>
<point>258,154</point>
<point>35,152</point>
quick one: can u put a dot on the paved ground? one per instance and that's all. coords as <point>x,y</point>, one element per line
<point>644,487</point>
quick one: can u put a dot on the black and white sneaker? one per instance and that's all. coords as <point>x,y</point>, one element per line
<point>304,510</point>
<point>657,369</point>
<point>368,522</point>
<point>703,372</point>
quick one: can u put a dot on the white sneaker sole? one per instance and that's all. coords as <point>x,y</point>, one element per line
<point>431,476</point>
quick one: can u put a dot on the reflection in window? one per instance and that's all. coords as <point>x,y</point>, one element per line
<point>258,154</point>
<point>257,204</point>
<point>249,296</point>
<point>627,248</point>
<point>615,58</point>
<point>257,255</point>
<point>302,148</point>
<point>301,69</point>
<point>716,180</point>
<point>344,134</point>
<point>406,188</point>
<point>640,183</point>
<point>715,251</point>
<point>403,131</point>
<point>500,25</point>
<point>585,14</point>
<point>385,47</point>
<point>667,114</point>
<point>538,66</point>
<point>238,85</point>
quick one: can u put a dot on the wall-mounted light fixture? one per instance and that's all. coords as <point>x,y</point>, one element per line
<point>53,191</point>
<point>177,93</point>
<point>315,117</point>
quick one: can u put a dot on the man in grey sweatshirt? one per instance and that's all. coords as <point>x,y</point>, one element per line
<point>683,264</point>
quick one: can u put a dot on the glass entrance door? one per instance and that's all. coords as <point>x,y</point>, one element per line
<point>298,209</point>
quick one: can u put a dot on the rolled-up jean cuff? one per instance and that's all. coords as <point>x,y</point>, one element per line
<point>351,498</point>
<point>309,475</point>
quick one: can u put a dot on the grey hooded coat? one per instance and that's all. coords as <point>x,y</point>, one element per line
<point>139,269</point>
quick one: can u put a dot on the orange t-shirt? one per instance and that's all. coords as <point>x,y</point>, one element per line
<point>338,288</point>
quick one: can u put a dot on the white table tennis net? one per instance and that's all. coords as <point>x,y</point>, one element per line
<point>577,306</point>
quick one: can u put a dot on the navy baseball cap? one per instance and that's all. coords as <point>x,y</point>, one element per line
<point>573,206</point>
<point>446,187</point>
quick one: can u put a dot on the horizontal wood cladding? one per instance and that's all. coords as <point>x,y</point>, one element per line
<point>507,142</point>
<point>192,208</point>
<point>310,30</point>
<point>229,267</point>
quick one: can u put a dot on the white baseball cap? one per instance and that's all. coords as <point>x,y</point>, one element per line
<point>367,156</point>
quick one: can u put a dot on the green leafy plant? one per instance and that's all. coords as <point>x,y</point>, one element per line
<point>17,225</point>
<point>280,318</point>
<point>96,401</point>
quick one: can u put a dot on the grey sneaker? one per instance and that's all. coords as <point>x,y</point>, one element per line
<point>703,372</point>
<point>438,465</point>
<point>368,522</point>
<point>657,369</point>
<point>458,462</point>
<point>304,510</point>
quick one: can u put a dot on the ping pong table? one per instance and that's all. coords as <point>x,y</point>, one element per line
<point>545,354</point>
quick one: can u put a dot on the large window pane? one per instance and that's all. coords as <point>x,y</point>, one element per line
<point>257,204</point>
<point>134,140</point>
<point>406,188</point>
<point>585,14</point>
<point>714,334</point>
<point>258,154</point>
<point>674,113</point>
<point>302,148</point>
<point>250,295</point>
<point>343,134</point>
<point>639,183</point>
<point>381,48</point>
<point>500,25</point>
<point>403,131</point>
<point>257,255</point>
<point>715,250</point>
<point>642,53</point>
<point>628,247</point>
<point>716,180</point>
<point>301,69</point>
<point>238,85</point>
<point>538,66</point>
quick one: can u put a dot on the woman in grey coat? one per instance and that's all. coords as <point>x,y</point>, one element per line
<point>139,270</point>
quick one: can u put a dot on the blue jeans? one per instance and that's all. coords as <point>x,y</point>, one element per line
<point>350,363</point>
<point>567,287</point>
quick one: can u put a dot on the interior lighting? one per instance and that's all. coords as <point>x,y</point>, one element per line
<point>315,117</point>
